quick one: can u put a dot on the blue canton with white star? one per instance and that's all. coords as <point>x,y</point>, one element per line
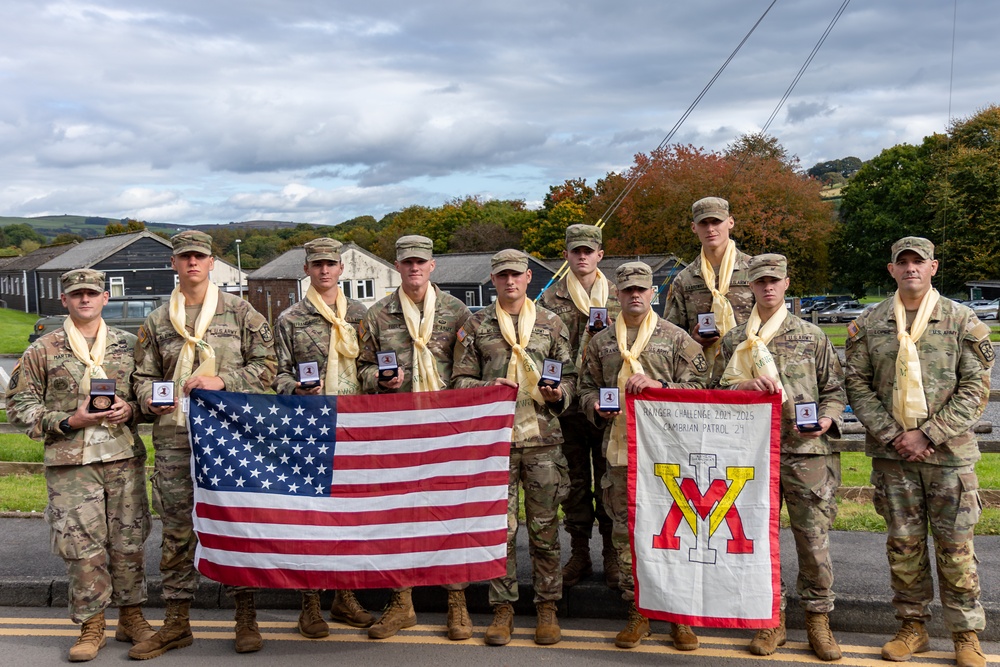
<point>263,443</point>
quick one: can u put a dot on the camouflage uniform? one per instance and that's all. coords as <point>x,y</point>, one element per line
<point>582,440</point>
<point>244,358</point>
<point>955,360</point>
<point>689,295</point>
<point>98,511</point>
<point>538,464</point>
<point>671,356</point>
<point>810,370</point>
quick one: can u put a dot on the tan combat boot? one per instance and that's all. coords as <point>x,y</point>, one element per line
<point>578,566</point>
<point>767,640</point>
<point>498,634</point>
<point>611,570</point>
<point>911,638</point>
<point>547,628</point>
<point>347,609</point>
<point>132,626</point>
<point>459,623</point>
<point>398,614</point>
<point>174,633</point>
<point>968,653</point>
<point>311,623</point>
<point>636,628</point>
<point>91,639</point>
<point>684,637</point>
<point>821,637</point>
<point>248,637</point>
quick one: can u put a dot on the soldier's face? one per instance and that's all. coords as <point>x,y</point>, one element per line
<point>583,260</point>
<point>324,274</point>
<point>511,286</point>
<point>913,273</point>
<point>712,232</point>
<point>636,300</point>
<point>769,292</point>
<point>84,305</point>
<point>415,272</point>
<point>192,267</point>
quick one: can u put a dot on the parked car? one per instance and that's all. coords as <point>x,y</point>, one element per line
<point>985,310</point>
<point>123,312</point>
<point>849,314</point>
<point>832,312</point>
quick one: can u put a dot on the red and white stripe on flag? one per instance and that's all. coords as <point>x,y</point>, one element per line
<point>703,488</point>
<point>385,491</point>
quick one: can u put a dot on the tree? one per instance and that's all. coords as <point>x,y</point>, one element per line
<point>134,225</point>
<point>67,237</point>
<point>18,233</point>
<point>113,228</point>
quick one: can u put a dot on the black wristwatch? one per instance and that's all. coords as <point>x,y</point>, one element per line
<point>65,427</point>
<point>663,384</point>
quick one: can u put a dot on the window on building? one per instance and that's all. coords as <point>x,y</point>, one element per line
<point>345,287</point>
<point>3,284</point>
<point>364,289</point>
<point>41,289</point>
<point>52,292</point>
<point>117,286</point>
<point>470,298</point>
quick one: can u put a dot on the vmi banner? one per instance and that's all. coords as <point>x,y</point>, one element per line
<point>703,506</point>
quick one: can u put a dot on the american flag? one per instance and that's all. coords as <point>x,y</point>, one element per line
<point>334,492</point>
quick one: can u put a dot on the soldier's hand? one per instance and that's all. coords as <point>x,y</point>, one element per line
<point>308,391</point>
<point>704,342</point>
<point>394,383</point>
<point>762,383</point>
<point>638,382</point>
<point>825,424</point>
<point>83,418</point>
<point>120,412</point>
<point>504,382</point>
<point>551,394</point>
<point>606,415</point>
<point>913,445</point>
<point>159,410</point>
<point>210,382</point>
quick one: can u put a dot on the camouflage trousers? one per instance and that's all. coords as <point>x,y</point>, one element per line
<point>809,490</point>
<point>582,448</point>
<point>98,515</point>
<point>909,496</point>
<point>541,473</point>
<point>614,485</point>
<point>173,500</point>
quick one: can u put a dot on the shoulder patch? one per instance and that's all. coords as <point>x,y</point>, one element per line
<point>700,363</point>
<point>265,333</point>
<point>693,352</point>
<point>463,337</point>
<point>984,350</point>
<point>15,376</point>
<point>853,329</point>
<point>143,335</point>
<point>981,330</point>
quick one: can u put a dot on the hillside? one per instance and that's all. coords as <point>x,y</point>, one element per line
<point>51,226</point>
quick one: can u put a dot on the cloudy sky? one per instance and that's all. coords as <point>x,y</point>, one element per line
<point>321,110</point>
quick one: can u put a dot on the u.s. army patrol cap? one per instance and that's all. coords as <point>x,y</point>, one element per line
<point>414,246</point>
<point>768,265</point>
<point>78,279</point>
<point>919,245</point>
<point>634,274</point>
<point>323,248</point>
<point>509,260</point>
<point>192,241</point>
<point>583,235</point>
<point>710,207</point>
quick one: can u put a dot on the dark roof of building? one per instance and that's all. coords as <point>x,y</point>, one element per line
<point>93,251</point>
<point>471,267</point>
<point>288,265</point>
<point>38,258</point>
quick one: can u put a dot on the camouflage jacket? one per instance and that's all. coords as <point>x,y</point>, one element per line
<point>45,389</point>
<point>810,370</point>
<point>671,356</point>
<point>558,300</point>
<point>304,335</point>
<point>244,357</point>
<point>955,361</point>
<point>482,356</point>
<point>384,328</point>
<point>689,295</point>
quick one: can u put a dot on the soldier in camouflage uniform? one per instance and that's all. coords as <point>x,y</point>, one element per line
<point>809,371</point>
<point>385,329</point>
<point>690,294</point>
<point>304,335</point>
<point>537,463</point>
<point>244,362</point>
<point>669,358</point>
<point>924,471</point>
<point>95,472</point>
<point>582,440</point>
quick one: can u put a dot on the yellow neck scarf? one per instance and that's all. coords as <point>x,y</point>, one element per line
<point>618,440</point>
<point>598,297</point>
<point>93,359</point>
<point>909,404</point>
<point>725,319</point>
<point>185,360</point>
<point>522,370</point>
<point>341,365</point>
<point>751,358</point>
<point>425,372</point>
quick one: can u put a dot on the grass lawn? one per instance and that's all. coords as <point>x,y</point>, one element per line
<point>838,333</point>
<point>15,326</point>
<point>17,447</point>
<point>856,470</point>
